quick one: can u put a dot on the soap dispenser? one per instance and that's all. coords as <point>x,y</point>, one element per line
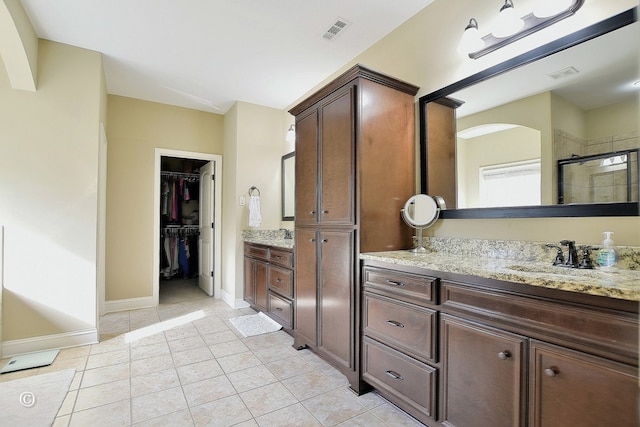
<point>607,254</point>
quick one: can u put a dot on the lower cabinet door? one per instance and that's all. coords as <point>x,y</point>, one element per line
<point>569,388</point>
<point>484,375</point>
<point>407,382</point>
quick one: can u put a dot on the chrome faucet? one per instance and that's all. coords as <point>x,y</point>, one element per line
<point>572,255</point>
<point>287,233</point>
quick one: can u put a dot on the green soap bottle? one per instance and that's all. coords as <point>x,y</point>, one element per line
<point>607,254</point>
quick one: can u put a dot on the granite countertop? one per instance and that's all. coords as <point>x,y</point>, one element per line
<point>619,283</point>
<point>278,242</point>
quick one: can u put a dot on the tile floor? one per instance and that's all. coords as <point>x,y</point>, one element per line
<point>184,364</point>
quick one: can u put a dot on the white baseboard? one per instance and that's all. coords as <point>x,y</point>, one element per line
<point>129,304</point>
<point>49,342</point>
<point>232,301</point>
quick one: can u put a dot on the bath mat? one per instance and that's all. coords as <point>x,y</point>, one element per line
<point>34,401</point>
<point>255,324</point>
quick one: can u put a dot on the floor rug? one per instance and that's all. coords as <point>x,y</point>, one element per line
<point>34,401</point>
<point>255,324</point>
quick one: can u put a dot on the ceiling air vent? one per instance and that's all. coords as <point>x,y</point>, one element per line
<point>335,29</point>
<point>565,72</point>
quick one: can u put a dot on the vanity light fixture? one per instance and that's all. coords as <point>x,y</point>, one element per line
<point>510,27</point>
<point>291,134</point>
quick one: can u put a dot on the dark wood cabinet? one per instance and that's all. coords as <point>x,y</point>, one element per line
<point>483,382</point>
<point>355,168</point>
<point>462,351</point>
<point>268,281</point>
<point>574,388</point>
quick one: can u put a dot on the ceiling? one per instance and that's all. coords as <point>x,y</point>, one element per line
<point>208,54</point>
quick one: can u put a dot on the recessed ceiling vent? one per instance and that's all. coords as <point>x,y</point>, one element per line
<point>336,29</point>
<point>564,73</point>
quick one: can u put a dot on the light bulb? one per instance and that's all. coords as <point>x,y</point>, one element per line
<point>508,22</point>
<point>471,40</point>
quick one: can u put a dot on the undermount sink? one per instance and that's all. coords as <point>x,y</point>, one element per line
<point>553,269</point>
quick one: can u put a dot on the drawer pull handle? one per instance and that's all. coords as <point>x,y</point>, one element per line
<point>278,309</point>
<point>394,283</point>
<point>395,323</point>
<point>504,355</point>
<point>278,280</point>
<point>394,375</point>
<point>325,212</point>
<point>551,372</point>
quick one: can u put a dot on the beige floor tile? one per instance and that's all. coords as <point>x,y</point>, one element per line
<point>251,378</point>
<point>113,414</point>
<point>105,374</point>
<point>334,407</point>
<point>393,416</point>
<point>71,353</point>
<point>77,363</point>
<point>228,348</point>
<point>363,420</point>
<point>267,399</point>
<point>109,358</point>
<point>177,419</point>
<point>118,342</point>
<point>289,367</point>
<point>180,332</point>
<point>154,382</point>
<point>199,371</point>
<point>61,421</point>
<point>157,404</point>
<point>151,364</point>
<point>223,412</point>
<point>208,390</point>
<point>238,362</point>
<point>184,344</point>
<point>151,350</point>
<point>68,403</point>
<point>187,357</point>
<point>219,337</point>
<point>371,400</point>
<point>208,325</point>
<point>308,385</point>
<point>291,416</point>
<point>102,394</point>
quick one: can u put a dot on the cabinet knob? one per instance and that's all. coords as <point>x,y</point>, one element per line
<point>395,323</point>
<point>325,240</point>
<point>394,283</point>
<point>312,213</point>
<point>394,375</point>
<point>504,355</point>
<point>312,240</point>
<point>551,372</point>
<point>278,280</point>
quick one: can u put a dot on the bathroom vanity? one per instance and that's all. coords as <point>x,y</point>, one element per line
<point>484,342</point>
<point>268,278</point>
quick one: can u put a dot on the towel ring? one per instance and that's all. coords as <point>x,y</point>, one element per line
<point>252,189</point>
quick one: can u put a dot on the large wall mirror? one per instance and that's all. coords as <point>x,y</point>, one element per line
<point>513,128</point>
<point>288,186</point>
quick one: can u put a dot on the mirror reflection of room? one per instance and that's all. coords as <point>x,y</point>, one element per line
<point>511,139</point>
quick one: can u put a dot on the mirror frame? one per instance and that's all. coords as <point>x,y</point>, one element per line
<point>583,210</point>
<point>285,190</point>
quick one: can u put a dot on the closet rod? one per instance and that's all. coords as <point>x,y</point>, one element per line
<point>185,174</point>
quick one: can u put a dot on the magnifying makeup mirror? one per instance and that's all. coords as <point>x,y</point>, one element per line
<point>422,211</point>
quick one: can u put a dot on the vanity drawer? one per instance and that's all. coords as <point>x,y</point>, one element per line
<point>281,310</point>
<point>281,280</point>
<point>602,332</point>
<point>282,258</point>
<point>406,286</point>
<point>259,252</point>
<point>405,381</point>
<point>407,327</point>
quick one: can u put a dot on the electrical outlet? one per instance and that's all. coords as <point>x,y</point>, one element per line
<point>242,201</point>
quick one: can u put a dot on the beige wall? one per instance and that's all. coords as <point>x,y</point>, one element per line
<point>48,193</point>
<point>136,128</point>
<point>615,119</point>
<point>423,51</point>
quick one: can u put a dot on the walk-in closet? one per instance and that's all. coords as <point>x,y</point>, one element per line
<point>180,206</point>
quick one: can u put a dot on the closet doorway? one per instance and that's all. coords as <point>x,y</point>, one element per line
<point>187,242</point>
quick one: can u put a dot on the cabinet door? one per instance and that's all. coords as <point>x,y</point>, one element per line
<point>249,281</point>
<point>337,148</point>
<point>336,293</point>
<point>306,200</point>
<point>483,375</point>
<point>261,284</point>
<point>305,288</point>
<point>569,388</point>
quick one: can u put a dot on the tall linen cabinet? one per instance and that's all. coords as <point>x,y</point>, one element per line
<point>355,169</point>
